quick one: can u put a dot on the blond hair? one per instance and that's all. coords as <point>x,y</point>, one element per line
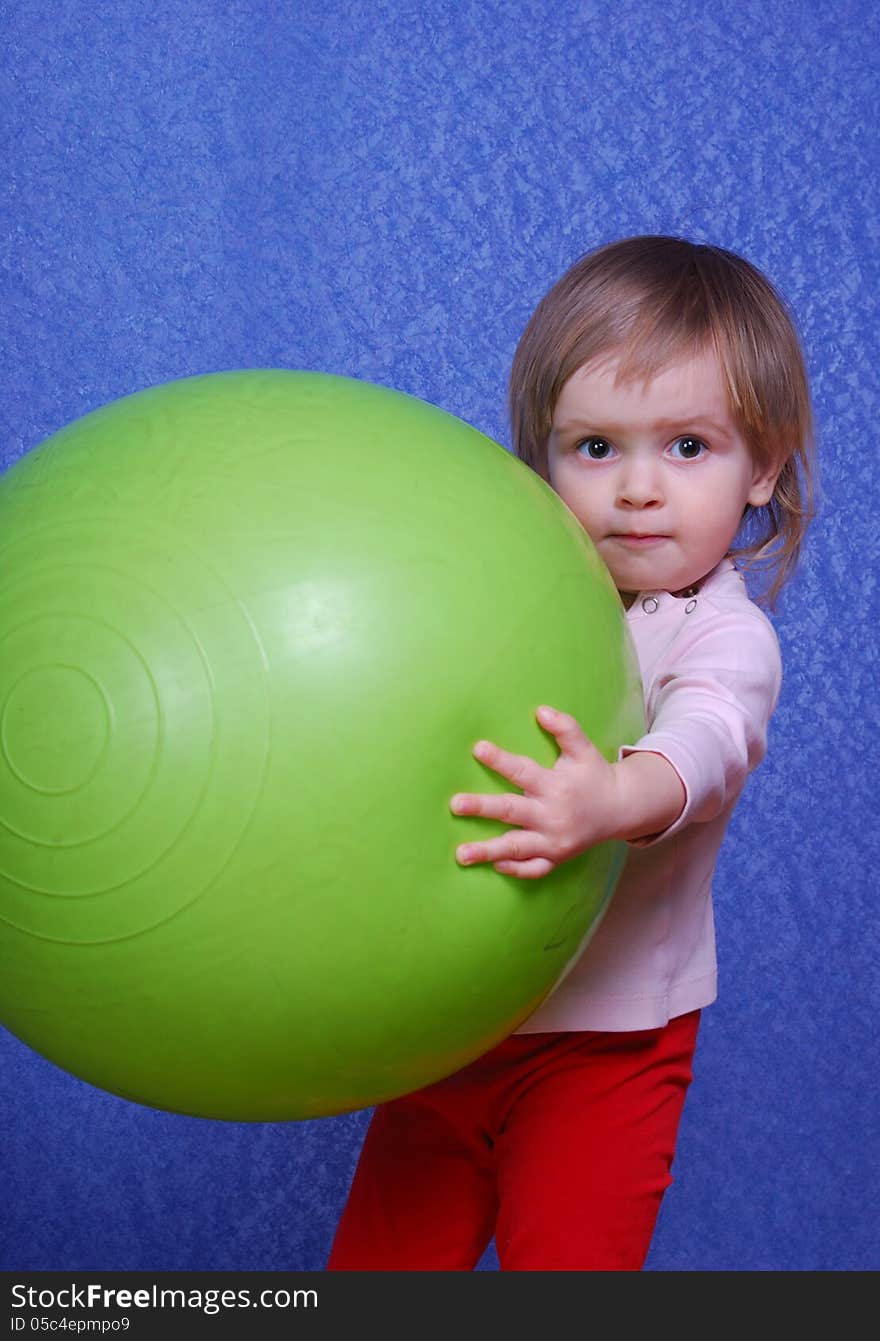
<point>650,301</point>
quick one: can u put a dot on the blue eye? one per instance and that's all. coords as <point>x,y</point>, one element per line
<point>596,449</point>
<point>688,449</point>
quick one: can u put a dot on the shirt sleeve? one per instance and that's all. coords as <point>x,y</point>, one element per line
<point>708,711</point>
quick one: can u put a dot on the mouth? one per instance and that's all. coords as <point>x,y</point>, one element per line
<point>635,540</point>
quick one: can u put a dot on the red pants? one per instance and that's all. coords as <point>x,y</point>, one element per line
<point>558,1144</point>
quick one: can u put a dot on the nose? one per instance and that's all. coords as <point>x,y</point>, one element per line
<point>639,485</point>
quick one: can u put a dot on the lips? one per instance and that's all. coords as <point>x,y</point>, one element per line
<point>638,540</point>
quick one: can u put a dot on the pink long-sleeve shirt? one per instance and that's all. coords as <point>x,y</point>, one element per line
<point>711,671</point>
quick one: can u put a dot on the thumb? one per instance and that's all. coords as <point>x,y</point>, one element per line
<point>568,732</point>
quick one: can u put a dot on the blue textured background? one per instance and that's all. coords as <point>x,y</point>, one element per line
<point>385,190</point>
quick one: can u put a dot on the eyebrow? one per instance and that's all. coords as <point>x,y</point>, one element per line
<point>581,424</point>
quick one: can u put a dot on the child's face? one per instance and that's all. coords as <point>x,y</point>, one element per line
<point>658,474</point>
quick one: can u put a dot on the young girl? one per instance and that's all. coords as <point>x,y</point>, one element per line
<point>660,389</point>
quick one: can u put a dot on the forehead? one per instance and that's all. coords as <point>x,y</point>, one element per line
<point>687,388</point>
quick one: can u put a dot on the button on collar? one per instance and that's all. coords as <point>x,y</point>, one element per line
<point>650,604</point>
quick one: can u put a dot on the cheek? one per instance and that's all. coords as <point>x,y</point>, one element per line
<point>554,472</point>
<point>568,481</point>
<point>582,502</point>
<point>715,522</point>
<point>562,483</point>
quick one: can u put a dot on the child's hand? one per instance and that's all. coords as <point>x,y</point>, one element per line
<point>563,810</point>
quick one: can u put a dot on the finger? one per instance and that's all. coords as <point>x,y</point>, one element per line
<point>517,768</point>
<point>567,729</point>
<point>511,809</point>
<point>515,845</point>
<point>526,870</point>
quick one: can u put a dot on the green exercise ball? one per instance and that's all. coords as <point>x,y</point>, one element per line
<point>252,624</point>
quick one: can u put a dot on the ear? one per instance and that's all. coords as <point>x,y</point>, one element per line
<point>763,483</point>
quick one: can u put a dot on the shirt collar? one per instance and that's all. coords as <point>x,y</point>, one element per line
<point>649,601</point>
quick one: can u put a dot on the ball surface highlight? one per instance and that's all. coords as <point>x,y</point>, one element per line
<point>252,624</point>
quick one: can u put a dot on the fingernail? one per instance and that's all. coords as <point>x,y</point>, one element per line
<point>456,803</point>
<point>463,855</point>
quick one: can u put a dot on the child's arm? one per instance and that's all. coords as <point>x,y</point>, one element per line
<point>579,802</point>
